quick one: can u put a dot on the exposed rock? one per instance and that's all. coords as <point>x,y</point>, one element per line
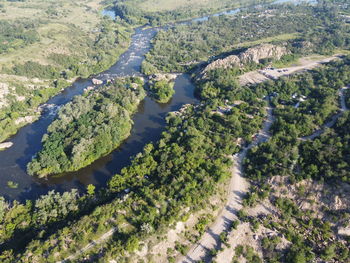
<point>254,54</point>
<point>4,90</point>
<point>344,231</point>
<point>88,88</point>
<point>26,119</point>
<point>337,203</point>
<point>5,145</point>
<point>305,46</point>
<point>97,81</point>
<point>159,77</point>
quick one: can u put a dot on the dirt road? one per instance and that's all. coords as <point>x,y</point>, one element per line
<point>93,243</point>
<point>307,63</point>
<point>237,189</point>
<point>333,120</point>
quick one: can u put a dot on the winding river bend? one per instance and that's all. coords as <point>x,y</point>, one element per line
<point>149,122</point>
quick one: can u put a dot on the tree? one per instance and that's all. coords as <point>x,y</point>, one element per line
<point>91,189</point>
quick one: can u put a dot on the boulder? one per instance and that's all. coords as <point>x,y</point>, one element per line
<point>97,81</point>
<point>5,145</point>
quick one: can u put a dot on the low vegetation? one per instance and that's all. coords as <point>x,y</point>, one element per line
<point>36,46</point>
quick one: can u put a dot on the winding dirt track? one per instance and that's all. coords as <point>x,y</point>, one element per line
<point>333,120</point>
<point>237,189</point>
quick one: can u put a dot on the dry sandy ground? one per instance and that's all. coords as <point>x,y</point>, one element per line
<point>306,63</point>
<point>238,188</point>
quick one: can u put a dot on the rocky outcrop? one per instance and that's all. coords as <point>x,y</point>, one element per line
<point>159,77</point>
<point>344,231</point>
<point>251,55</point>
<point>26,119</point>
<point>97,81</point>
<point>263,51</point>
<point>5,145</point>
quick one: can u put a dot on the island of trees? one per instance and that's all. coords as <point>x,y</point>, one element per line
<point>88,128</point>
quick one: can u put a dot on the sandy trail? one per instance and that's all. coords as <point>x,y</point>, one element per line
<point>333,120</point>
<point>237,189</point>
<point>258,76</point>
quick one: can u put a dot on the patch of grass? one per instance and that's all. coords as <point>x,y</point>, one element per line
<point>278,38</point>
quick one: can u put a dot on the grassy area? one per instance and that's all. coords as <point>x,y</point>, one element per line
<point>277,38</point>
<point>171,5</point>
<point>47,40</point>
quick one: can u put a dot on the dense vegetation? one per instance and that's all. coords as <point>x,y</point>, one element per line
<point>313,172</point>
<point>102,50</point>
<point>178,174</point>
<point>162,90</point>
<point>296,178</point>
<point>88,127</point>
<point>9,115</point>
<point>181,170</point>
<point>311,30</point>
<point>328,157</point>
<point>284,153</point>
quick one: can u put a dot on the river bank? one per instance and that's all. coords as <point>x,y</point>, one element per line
<point>149,122</point>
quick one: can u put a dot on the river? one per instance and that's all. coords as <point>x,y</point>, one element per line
<point>149,122</point>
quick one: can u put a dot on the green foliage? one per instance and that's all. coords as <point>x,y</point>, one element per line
<point>17,34</point>
<point>132,244</point>
<point>94,55</point>
<point>162,90</point>
<point>202,224</point>
<point>87,128</point>
<point>326,156</point>
<point>91,189</point>
<point>12,184</point>
<point>54,206</point>
<point>320,30</point>
<point>131,12</point>
<point>248,253</point>
<point>35,70</point>
<point>181,170</point>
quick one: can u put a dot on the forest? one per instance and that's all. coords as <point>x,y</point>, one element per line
<point>88,128</point>
<point>309,172</point>
<point>285,150</point>
<point>161,181</point>
<point>176,176</point>
<point>164,178</point>
<point>305,30</point>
